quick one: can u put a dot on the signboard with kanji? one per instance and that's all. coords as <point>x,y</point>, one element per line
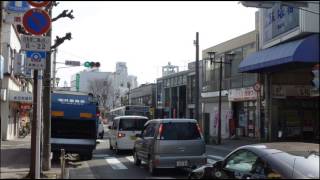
<point>35,43</point>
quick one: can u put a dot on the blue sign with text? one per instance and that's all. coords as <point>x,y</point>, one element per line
<point>18,6</point>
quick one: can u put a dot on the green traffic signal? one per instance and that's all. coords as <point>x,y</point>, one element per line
<point>91,64</point>
<point>87,64</point>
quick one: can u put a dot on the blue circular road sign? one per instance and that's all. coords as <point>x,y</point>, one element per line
<point>36,21</point>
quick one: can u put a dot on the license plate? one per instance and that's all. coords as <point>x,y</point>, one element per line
<point>133,137</point>
<point>182,163</point>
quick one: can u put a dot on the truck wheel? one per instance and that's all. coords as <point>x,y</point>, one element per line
<point>86,157</point>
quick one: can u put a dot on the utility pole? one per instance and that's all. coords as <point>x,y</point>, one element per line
<point>197,94</point>
<point>46,150</point>
<point>219,111</point>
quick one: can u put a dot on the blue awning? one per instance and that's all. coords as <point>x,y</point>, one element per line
<point>300,51</point>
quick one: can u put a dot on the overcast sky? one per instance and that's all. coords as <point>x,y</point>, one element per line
<point>145,35</point>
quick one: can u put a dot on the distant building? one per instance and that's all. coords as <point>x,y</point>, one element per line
<point>80,81</point>
<point>144,95</point>
<point>119,81</point>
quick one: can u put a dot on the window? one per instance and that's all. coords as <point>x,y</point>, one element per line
<point>131,124</point>
<point>180,131</point>
<point>262,170</point>
<point>149,130</point>
<point>241,161</point>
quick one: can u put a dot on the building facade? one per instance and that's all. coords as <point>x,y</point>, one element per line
<point>289,49</point>
<point>238,98</point>
<point>15,84</point>
<point>172,93</point>
<point>144,95</point>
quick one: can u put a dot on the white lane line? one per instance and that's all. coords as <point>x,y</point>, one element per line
<point>130,158</point>
<point>100,155</point>
<point>115,163</point>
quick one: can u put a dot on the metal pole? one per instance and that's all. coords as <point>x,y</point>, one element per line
<point>46,163</point>
<point>197,94</point>
<point>220,88</point>
<point>54,68</point>
<point>33,165</point>
<point>39,117</point>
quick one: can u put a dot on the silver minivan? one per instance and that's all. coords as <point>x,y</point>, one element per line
<point>122,134</point>
<point>170,143</point>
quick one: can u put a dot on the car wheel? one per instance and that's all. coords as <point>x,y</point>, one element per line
<point>136,160</point>
<point>111,147</point>
<point>117,150</point>
<point>151,168</point>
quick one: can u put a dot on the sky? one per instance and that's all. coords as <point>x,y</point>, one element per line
<point>145,35</point>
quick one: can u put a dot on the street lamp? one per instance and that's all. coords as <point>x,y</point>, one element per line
<point>128,86</point>
<point>212,59</point>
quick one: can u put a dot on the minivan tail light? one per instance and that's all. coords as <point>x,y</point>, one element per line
<point>199,129</point>
<point>160,131</point>
<point>121,135</point>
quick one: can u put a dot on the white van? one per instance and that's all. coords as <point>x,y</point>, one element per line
<point>124,130</point>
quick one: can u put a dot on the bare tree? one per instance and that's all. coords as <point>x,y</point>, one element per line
<point>102,89</point>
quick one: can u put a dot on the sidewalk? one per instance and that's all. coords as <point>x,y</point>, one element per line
<point>231,144</point>
<point>15,160</point>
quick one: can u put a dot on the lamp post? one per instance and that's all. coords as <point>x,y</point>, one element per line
<point>129,86</point>
<point>212,59</point>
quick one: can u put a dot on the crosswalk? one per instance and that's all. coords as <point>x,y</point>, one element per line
<point>104,163</point>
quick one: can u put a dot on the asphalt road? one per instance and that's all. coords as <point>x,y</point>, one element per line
<point>105,164</point>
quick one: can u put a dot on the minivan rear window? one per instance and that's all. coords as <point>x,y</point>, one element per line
<point>180,131</point>
<point>132,124</point>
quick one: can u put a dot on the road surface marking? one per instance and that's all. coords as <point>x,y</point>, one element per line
<point>130,158</point>
<point>115,163</point>
<point>100,155</point>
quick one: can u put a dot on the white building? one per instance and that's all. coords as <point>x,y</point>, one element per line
<point>80,81</point>
<point>119,80</point>
<point>15,96</point>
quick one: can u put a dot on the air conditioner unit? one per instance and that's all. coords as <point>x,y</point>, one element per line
<point>19,64</point>
<point>3,95</point>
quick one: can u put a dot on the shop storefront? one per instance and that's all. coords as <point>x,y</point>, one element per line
<point>246,121</point>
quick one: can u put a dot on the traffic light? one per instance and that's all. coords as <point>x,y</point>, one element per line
<point>91,64</point>
<point>315,73</point>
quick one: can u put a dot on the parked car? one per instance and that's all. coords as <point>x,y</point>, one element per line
<point>123,132</point>
<point>285,160</point>
<point>100,130</point>
<point>170,143</point>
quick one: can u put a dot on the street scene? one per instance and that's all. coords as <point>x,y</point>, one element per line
<point>159,90</point>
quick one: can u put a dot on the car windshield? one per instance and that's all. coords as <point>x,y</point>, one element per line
<point>132,124</point>
<point>180,131</point>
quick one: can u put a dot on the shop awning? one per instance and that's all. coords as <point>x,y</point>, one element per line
<point>300,51</point>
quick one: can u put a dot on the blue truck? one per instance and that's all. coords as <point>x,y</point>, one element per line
<point>74,123</point>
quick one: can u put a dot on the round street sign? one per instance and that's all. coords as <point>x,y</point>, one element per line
<point>36,21</point>
<point>257,86</point>
<point>39,3</point>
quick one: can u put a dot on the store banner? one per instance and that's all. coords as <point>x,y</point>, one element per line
<point>18,96</point>
<point>242,94</point>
